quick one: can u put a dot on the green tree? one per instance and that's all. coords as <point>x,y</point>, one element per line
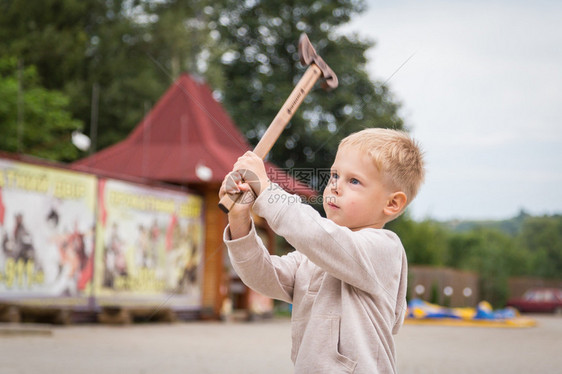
<point>76,44</point>
<point>117,58</point>
<point>542,237</point>
<point>133,50</point>
<point>494,255</point>
<point>426,242</point>
<point>51,35</point>
<point>180,36</point>
<point>260,67</point>
<point>33,119</point>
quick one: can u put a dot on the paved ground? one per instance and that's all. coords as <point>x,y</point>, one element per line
<point>263,347</point>
<point>441,349</point>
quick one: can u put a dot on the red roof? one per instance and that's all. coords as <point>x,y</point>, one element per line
<point>186,129</point>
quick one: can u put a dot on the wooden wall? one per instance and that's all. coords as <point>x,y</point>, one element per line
<point>439,278</point>
<point>215,222</point>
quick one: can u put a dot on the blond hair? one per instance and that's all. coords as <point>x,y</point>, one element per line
<point>398,157</point>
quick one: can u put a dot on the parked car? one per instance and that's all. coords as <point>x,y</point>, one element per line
<point>539,300</point>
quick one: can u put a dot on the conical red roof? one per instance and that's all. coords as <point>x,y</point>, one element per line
<point>185,131</point>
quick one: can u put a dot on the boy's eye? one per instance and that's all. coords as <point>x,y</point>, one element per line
<point>354,181</point>
<point>335,175</point>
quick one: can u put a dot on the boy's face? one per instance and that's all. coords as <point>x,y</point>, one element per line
<point>356,196</point>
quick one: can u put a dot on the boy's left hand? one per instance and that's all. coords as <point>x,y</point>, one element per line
<point>252,168</point>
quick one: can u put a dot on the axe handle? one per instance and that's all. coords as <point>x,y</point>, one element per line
<point>279,123</point>
<point>286,112</point>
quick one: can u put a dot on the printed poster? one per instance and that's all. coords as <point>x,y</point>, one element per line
<point>47,222</point>
<point>149,246</point>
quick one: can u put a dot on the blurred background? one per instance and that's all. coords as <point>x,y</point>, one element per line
<point>477,84</point>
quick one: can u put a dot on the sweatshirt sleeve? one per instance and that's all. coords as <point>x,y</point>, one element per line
<point>369,259</point>
<point>270,275</point>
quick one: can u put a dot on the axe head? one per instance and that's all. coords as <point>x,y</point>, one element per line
<point>308,56</point>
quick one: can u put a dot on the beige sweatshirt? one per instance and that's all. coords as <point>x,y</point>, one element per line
<point>348,289</point>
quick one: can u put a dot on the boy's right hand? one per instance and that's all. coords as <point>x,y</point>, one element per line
<point>239,215</point>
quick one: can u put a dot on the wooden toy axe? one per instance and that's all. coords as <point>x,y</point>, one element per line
<point>316,68</point>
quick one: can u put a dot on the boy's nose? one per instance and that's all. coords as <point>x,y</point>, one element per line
<point>334,186</point>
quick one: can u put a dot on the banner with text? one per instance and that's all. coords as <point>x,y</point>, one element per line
<point>149,245</point>
<point>47,222</point>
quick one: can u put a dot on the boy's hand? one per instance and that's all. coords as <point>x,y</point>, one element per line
<point>252,170</point>
<point>234,184</point>
<point>248,175</point>
<point>239,215</point>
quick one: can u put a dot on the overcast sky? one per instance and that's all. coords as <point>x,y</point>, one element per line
<point>483,95</point>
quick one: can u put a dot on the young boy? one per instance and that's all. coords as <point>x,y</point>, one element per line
<point>347,278</point>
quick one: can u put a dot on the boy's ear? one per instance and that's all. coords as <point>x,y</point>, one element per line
<point>396,203</point>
